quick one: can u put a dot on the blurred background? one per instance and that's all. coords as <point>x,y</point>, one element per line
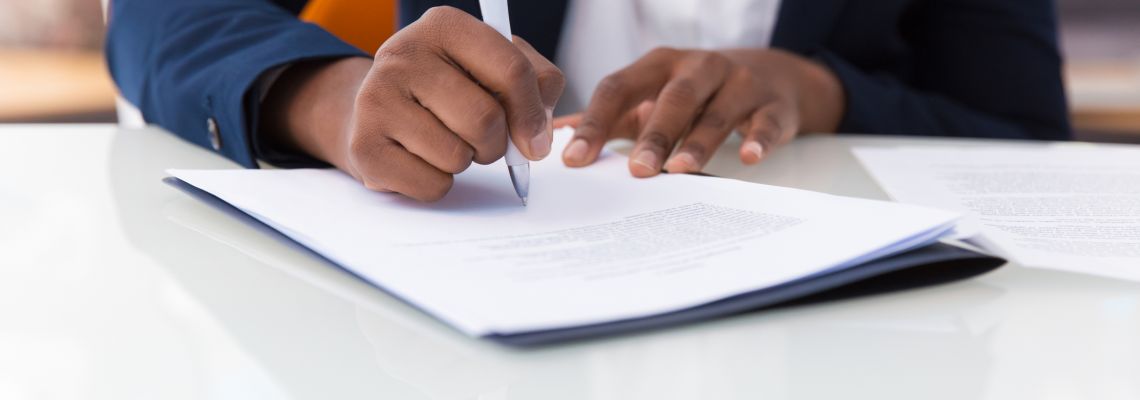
<point>51,66</point>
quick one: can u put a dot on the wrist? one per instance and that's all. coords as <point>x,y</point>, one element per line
<point>822,100</point>
<point>309,108</point>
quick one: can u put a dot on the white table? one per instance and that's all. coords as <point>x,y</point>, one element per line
<point>115,286</point>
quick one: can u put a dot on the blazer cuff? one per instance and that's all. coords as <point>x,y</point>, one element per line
<point>261,150</point>
<point>856,85</point>
<point>242,99</point>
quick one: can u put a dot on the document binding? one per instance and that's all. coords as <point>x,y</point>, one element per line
<point>932,264</point>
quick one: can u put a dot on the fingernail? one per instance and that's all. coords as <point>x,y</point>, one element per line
<point>646,159</point>
<point>550,120</point>
<point>755,149</point>
<point>576,151</point>
<point>540,144</point>
<point>682,162</point>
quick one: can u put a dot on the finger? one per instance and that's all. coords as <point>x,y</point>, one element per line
<point>640,117</point>
<point>678,104</point>
<point>498,65</point>
<point>571,120</point>
<point>464,108</point>
<point>614,97</point>
<point>772,125</point>
<point>382,164</point>
<point>632,122</point>
<point>627,127</point>
<point>731,105</point>
<point>422,134</point>
<point>551,83</point>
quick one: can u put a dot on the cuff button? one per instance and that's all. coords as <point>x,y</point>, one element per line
<point>215,137</point>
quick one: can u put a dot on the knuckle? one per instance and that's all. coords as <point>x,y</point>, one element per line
<point>714,120</point>
<point>437,24</point>
<point>372,175</point>
<point>380,87</point>
<point>401,49</point>
<point>552,80</point>
<point>519,69</point>
<point>491,153</point>
<point>458,159</point>
<point>611,87</point>
<point>363,146</point>
<point>368,95</point>
<point>488,140</point>
<point>682,92</point>
<point>656,140</point>
<point>358,148</point>
<point>435,191</point>
<point>489,146</point>
<point>488,118</point>
<point>589,126</point>
<point>374,83</point>
<point>371,156</point>
<point>440,12</point>
<point>740,75</point>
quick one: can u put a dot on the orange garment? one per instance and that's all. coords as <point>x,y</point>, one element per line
<point>365,24</point>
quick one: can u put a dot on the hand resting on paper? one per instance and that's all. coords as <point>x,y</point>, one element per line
<point>690,100</point>
<point>442,93</point>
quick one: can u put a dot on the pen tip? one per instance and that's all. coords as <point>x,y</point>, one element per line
<point>524,201</point>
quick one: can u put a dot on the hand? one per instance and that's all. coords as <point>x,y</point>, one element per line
<point>690,100</point>
<point>441,93</point>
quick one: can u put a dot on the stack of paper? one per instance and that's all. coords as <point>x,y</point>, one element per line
<point>594,245</point>
<point>1068,207</point>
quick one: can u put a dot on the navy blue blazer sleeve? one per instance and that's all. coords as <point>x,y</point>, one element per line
<point>184,62</point>
<point>976,68</point>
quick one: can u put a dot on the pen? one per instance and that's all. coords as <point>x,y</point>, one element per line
<point>496,15</point>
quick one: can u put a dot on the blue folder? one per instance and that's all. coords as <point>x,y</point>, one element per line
<point>928,265</point>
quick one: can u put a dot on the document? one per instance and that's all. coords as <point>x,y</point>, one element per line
<point>594,245</point>
<point>1068,206</point>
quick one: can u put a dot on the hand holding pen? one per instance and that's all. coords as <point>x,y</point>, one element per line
<point>446,91</point>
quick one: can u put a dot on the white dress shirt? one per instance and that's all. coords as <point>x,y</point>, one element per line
<point>600,37</point>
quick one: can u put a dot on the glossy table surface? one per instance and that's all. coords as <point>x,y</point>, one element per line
<point>115,286</point>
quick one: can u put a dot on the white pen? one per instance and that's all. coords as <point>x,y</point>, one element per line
<point>496,15</point>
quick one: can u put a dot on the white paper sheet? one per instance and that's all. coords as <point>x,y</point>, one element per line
<point>594,245</point>
<point>1068,207</point>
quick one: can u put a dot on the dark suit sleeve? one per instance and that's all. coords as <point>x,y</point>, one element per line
<point>184,62</point>
<point>980,68</point>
